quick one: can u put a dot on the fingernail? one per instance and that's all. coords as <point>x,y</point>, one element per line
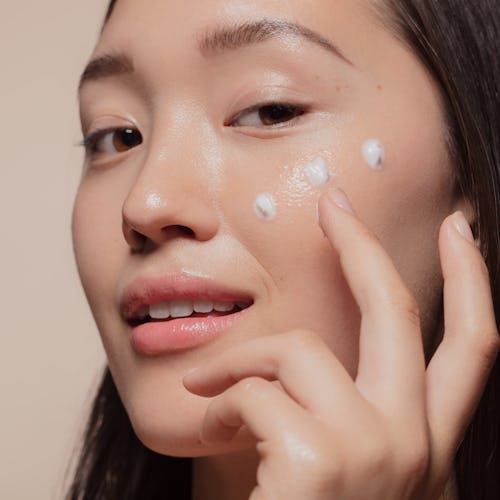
<point>318,220</point>
<point>463,227</point>
<point>340,199</point>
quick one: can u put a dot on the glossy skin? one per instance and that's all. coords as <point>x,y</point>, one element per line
<point>202,160</point>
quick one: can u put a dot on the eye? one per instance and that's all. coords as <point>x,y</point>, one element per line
<point>268,115</point>
<point>112,141</point>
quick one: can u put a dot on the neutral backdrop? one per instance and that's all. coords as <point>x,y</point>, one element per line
<point>50,354</point>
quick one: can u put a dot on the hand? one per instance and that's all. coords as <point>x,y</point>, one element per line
<point>390,434</point>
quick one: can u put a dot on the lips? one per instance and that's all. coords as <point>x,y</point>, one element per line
<point>178,312</point>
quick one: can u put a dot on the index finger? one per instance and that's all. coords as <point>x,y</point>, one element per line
<point>392,364</point>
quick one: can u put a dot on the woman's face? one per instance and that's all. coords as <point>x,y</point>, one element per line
<point>186,104</point>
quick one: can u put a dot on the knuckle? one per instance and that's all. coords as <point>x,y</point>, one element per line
<point>406,304</point>
<point>311,454</point>
<point>383,453</point>
<point>376,456</point>
<point>322,467</point>
<point>484,271</point>
<point>416,463</point>
<point>494,342</point>
<point>315,482</point>
<point>487,347</point>
<point>369,236</point>
<point>304,339</point>
<point>249,392</point>
<point>415,456</point>
<point>250,386</point>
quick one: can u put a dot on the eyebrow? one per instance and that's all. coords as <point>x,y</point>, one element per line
<point>106,66</point>
<point>220,40</point>
<point>216,42</point>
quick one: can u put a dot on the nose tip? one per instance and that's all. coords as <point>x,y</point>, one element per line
<point>151,219</point>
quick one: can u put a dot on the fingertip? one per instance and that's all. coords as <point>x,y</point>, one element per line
<point>331,203</point>
<point>339,199</point>
<point>190,379</point>
<point>455,239</point>
<point>200,384</point>
<point>462,227</point>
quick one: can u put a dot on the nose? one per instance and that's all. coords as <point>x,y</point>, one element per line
<point>165,203</point>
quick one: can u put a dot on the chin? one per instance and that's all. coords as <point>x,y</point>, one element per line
<point>176,441</point>
<point>170,424</point>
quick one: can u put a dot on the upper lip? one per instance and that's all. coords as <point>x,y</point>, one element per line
<point>144,291</point>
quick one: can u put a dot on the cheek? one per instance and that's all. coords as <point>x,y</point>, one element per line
<point>270,203</point>
<point>406,202</point>
<point>302,272</point>
<point>98,244</point>
<point>275,207</point>
<point>399,188</point>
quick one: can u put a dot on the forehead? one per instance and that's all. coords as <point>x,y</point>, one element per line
<point>134,23</point>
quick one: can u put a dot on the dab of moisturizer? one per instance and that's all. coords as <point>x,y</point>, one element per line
<point>374,154</point>
<point>317,172</point>
<point>265,207</point>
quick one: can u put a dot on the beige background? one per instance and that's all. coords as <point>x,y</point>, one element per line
<point>50,356</point>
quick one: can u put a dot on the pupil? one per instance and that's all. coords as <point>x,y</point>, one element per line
<point>126,139</point>
<point>277,114</point>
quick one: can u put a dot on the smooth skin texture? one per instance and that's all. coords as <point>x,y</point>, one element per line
<point>352,312</point>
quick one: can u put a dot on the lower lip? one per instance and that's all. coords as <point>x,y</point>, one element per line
<point>180,334</point>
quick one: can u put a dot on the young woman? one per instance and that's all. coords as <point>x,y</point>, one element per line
<point>273,230</point>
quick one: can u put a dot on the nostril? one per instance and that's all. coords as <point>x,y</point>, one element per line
<point>143,243</point>
<point>183,230</point>
<point>136,241</point>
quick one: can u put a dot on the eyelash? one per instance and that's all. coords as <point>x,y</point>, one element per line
<point>296,110</point>
<point>91,141</point>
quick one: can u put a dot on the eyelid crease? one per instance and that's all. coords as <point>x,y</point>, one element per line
<point>107,121</point>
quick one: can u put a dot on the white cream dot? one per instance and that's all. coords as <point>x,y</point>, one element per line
<point>374,154</point>
<point>317,172</point>
<point>265,207</point>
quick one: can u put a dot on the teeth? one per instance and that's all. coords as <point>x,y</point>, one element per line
<point>160,311</point>
<point>203,306</point>
<point>181,308</point>
<point>185,308</point>
<point>223,306</point>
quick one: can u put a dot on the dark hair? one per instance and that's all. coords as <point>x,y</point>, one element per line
<point>111,6</point>
<point>459,42</point>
